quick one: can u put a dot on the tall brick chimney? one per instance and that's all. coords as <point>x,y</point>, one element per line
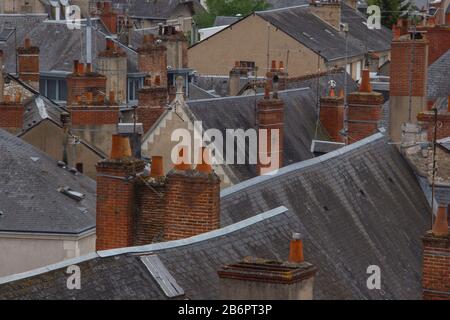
<point>153,58</point>
<point>108,16</point>
<point>259,279</point>
<point>332,115</point>
<point>116,196</point>
<point>28,63</point>
<point>409,70</point>
<point>153,98</point>
<point>270,116</point>
<point>277,70</point>
<point>112,63</point>
<point>193,199</point>
<point>365,109</point>
<point>436,259</point>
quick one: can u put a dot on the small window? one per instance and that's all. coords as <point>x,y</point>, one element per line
<point>79,167</point>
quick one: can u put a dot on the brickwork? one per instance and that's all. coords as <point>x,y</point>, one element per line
<point>28,63</point>
<point>436,267</point>
<point>11,115</point>
<point>153,59</point>
<point>401,57</point>
<point>332,116</point>
<point>94,115</point>
<point>115,203</point>
<point>270,115</point>
<point>79,86</point>
<point>426,120</point>
<point>439,41</point>
<point>193,204</point>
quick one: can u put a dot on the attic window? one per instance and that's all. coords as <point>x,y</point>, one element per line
<point>78,196</point>
<point>162,276</point>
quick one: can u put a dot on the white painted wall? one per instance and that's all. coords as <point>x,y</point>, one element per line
<point>21,252</point>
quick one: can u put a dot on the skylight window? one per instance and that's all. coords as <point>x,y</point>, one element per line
<point>78,196</point>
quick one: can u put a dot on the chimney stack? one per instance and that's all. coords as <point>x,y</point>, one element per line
<point>108,16</point>
<point>332,115</point>
<point>28,64</point>
<point>193,200</point>
<point>270,115</point>
<point>112,63</point>
<point>152,102</point>
<point>236,74</point>
<point>409,68</point>
<point>365,109</point>
<point>177,47</point>
<point>278,71</point>
<point>153,58</point>
<point>436,259</point>
<point>82,83</point>
<point>259,279</point>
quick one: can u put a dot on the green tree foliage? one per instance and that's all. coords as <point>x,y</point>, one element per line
<point>392,10</point>
<point>228,8</point>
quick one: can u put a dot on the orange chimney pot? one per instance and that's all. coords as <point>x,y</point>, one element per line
<point>365,82</point>
<point>157,169</point>
<point>440,227</point>
<point>112,98</point>
<point>120,147</point>
<point>204,166</point>
<point>296,249</point>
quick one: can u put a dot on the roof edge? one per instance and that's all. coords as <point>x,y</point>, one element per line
<point>300,165</point>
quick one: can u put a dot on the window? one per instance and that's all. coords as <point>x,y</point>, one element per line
<point>134,84</point>
<point>53,88</point>
<point>358,70</point>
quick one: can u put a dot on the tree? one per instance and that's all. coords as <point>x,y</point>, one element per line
<point>392,10</point>
<point>228,8</point>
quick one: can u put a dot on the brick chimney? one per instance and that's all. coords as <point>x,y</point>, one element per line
<point>365,108</point>
<point>236,74</point>
<point>426,120</point>
<point>177,47</point>
<point>116,178</point>
<point>332,115</point>
<point>153,98</point>
<point>108,16</point>
<point>153,58</point>
<point>28,63</point>
<point>436,259</point>
<point>151,204</point>
<point>112,63</point>
<point>438,40</point>
<point>259,279</point>
<point>327,10</point>
<point>403,75</point>
<point>270,116</point>
<point>193,199</point>
<point>85,87</point>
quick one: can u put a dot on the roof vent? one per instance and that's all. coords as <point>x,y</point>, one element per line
<point>78,196</point>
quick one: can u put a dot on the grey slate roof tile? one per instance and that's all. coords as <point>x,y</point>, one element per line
<point>438,77</point>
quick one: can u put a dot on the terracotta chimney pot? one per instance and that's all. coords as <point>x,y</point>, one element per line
<point>440,227</point>
<point>27,43</point>
<point>112,98</point>
<point>120,147</point>
<point>182,166</point>
<point>204,166</point>
<point>157,169</point>
<point>158,81</point>
<point>365,82</point>
<point>18,97</point>
<point>274,65</point>
<point>75,66</point>
<point>281,66</point>
<point>296,249</point>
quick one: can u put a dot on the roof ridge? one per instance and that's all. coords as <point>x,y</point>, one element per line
<point>149,248</point>
<point>283,9</point>
<point>300,165</point>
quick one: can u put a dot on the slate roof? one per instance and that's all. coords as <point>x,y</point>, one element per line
<point>196,93</point>
<point>65,46</point>
<point>156,9</point>
<point>30,200</point>
<point>438,77</point>
<point>313,32</point>
<point>375,215</point>
<point>374,40</point>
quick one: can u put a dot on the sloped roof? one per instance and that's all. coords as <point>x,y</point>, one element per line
<point>312,32</point>
<point>157,9</point>
<point>30,200</point>
<point>225,20</point>
<point>65,46</point>
<point>375,214</point>
<point>375,40</point>
<point>359,206</point>
<point>438,77</point>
